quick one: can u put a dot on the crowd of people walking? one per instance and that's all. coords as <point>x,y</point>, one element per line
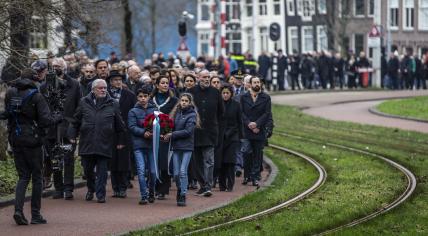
<point>167,120</point>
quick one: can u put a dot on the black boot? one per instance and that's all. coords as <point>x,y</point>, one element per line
<point>178,194</point>
<point>151,197</point>
<point>37,220</point>
<point>181,201</point>
<point>20,218</point>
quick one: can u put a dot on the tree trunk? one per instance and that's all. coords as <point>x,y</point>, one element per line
<point>128,27</point>
<point>67,25</point>
<point>19,41</point>
<point>153,24</point>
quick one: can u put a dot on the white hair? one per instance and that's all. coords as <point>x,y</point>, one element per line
<point>60,61</point>
<point>97,82</point>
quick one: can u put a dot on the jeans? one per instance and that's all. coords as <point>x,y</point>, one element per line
<point>28,163</point>
<point>204,163</point>
<point>143,158</point>
<point>98,184</point>
<point>181,160</point>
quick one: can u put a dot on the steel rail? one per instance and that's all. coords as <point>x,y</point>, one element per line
<point>320,181</point>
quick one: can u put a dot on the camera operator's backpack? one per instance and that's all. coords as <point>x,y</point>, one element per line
<point>15,108</point>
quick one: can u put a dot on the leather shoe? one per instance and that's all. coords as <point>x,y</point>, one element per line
<point>122,194</point>
<point>245,181</point>
<point>68,196</point>
<point>101,200</point>
<point>89,196</point>
<point>115,194</point>
<point>20,218</point>
<point>38,220</point>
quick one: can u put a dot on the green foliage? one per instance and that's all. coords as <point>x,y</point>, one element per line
<point>410,107</point>
<point>8,177</point>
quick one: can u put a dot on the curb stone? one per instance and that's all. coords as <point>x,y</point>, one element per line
<point>9,200</point>
<point>375,111</point>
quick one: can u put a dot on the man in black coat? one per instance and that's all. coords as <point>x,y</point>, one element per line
<point>393,68</point>
<point>256,112</point>
<point>210,108</point>
<point>120,164</point>
<point>87,78</point>
<point>264,63</point>
<point>282,66</point>
<point>70,88</point>
<point>27,112</point>
<point>294,71</point>
<point>98,121</point>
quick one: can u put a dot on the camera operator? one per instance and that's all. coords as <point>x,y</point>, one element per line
<point>27,113</point>
<point>69,94</point>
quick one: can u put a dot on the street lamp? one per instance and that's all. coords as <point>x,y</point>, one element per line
<point>183,50</point>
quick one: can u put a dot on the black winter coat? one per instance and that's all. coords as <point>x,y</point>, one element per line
<point>257,112</point>
<point>34,111</point>
<point>282,66</point>
<point>164,146</point>
<point>73,94</point>
<point>264,65</point>
<point>98,125</point>
<point>209,105</point>
<point>121,160</point>
<point>184,130</point>
<point>393,67</point>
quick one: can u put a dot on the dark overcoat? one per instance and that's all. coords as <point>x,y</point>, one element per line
<point>209,105</point>
<point>121,160</point>
<point>98,125</point>
<point>232,130</point>
<point>164,146</point>
<point>258,112</point>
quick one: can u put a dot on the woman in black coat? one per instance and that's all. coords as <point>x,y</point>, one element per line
<point>232,133</point>
<point>120,165</point>
<point>164,99</point>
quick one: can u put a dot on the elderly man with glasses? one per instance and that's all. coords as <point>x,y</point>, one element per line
<point>97,120</point>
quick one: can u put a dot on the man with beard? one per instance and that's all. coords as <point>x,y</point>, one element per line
<point>99,123</point>
<point>256,112</point>
<point>70,88</point>
<point>210,107</point>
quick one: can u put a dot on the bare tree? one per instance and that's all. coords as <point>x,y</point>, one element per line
<point>337,21</point>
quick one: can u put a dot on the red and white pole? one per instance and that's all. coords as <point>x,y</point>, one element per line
<point>223,27</point>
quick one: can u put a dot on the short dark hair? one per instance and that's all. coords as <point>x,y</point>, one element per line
<point>254,77</point>
<point>228,87</point>
<point>146,89</point>
<point>99,61</point>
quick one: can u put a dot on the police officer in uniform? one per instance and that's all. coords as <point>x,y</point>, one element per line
<point>27,113</point>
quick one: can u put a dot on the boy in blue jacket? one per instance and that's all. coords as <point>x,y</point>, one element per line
<point>142,143</point>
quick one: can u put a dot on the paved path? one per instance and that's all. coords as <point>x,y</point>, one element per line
<point>344,106</point>
<point>79,217</point>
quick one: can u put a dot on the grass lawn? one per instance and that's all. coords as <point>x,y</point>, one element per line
<point>356,185</point>
<point>410,107</point>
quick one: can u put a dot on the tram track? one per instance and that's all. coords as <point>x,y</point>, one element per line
<point>410,188</point>
<point>318,183</point>
<point>411,185</point>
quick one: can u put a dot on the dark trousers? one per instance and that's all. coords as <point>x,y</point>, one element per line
<point>226,179</point>
<point>281,81</point>
<point>203,161</point>
<point>119,180</point>
<point>163,186</point>
<point>294,81</point>
<point>28,164</point>
<point>253,161</point>
<point>96,185</point>
<point>64,177</point>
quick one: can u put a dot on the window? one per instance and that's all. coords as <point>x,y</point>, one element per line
<point>358,43</point>
<point>344,8</point>
<point>322,38</point>
<point>232,10</point>
<point>408,14</point>
<point>393,14</point>
<point>371,7</point>
<point>233,41</point>
<point>264,39</point>
<point>249,7</point>
<point>38,33</point>
<point>293,40</point>
<point>250,40</point>
<point>204,39</point>
<point>359,7</point>
<point>276,7</point>
<point>205,12</point>
<point>290,7</point>
<point>423,14</point>
<point>306,9</point>
<point>262,7</point>
<point>308,39</point>
<point>322,6</point>
<point>204,48</point>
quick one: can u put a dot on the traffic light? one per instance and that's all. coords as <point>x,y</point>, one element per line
<point>274,31</point>
<point>182,28</point>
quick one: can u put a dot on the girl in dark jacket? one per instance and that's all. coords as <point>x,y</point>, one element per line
<point>232,133</point>
<point>182,138</point>
<point>164,99</point>
<point>141,139</point>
